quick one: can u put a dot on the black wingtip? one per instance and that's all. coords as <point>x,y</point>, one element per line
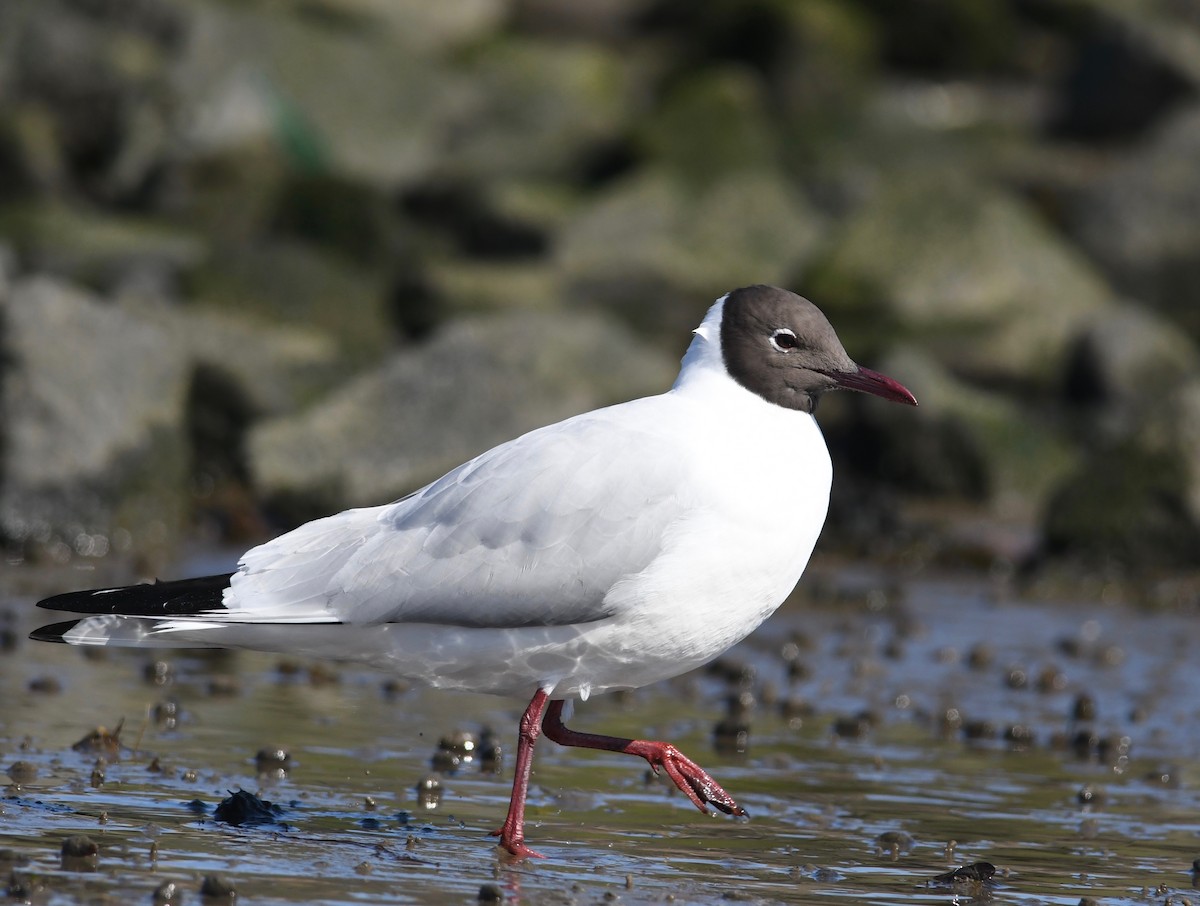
<point>54,632</point>
<point>183,597</point>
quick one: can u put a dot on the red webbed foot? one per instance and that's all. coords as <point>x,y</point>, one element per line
<point>693,780</point>
<point>514,845</point>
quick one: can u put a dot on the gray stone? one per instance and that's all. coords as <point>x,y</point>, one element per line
<point>1133,502</point>
<point>352,100</point>
<point>441,27</point>
<point>93,425</point>
<point>1141,223</point>
<point>714,123</point>
<point>295,284</point>
<point>274,368</point>
<point>1124,365</point>
<point>536,110</point>
<point>1130,505</point>
<point>478,382</point>
<point>653,244</point>
<point>971,271</point>
<point>598,19</point>
<point>963,442</point>
<point>1185,406</point>
<point>99,249</point>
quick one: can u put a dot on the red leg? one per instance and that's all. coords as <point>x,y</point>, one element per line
<point>512,832</point>
<point>692,779</point>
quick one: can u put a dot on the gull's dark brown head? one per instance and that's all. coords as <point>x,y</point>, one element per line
<point>779,346</point>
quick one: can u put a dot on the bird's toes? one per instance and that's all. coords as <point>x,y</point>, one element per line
<point>699,785</point>
<point>516,851</point>
<point>726,804</point>
<point>714,794</point>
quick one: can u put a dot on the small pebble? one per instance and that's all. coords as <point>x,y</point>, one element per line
<point>856,727</point>
<point>1090,795</point>
<point>490,893</point>
<point>224,685</point>
<point>459,748</point>
<point>168,893</point>
<point>894,842</point>
<point>274,761</point>
<point>160,673</point>
<point>166,714</point>
<point>976,873</point>
<point>242,809</point>
<point>22,772</point>
<point>321,674</point>
<point>45,685</point>
<point>731,737</point>
<point>22,888</point>
<point>1051,679</point>
<point>429,792</point>
<point>1084,708</point>
<point>80,853</point>
<point>1019,737</point>
<point>981,656</point>
<point>491,753</point>
<point>394,688</point>
<point>79,846</point>
<point>102,741</point>
<point>979,729</point>
<point>217,888</point>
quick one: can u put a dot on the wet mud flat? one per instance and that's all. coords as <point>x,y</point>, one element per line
<point>894,742</point>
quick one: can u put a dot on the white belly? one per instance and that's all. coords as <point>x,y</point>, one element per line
<point>725,567</point>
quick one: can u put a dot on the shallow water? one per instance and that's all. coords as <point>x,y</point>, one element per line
<point>845,807</point>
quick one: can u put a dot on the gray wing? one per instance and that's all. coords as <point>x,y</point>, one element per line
<point>533,532</point>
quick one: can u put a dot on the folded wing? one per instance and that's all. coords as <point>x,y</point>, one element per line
<point>534,532</point>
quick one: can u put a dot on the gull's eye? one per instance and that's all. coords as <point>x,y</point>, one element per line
<point>784,340</point>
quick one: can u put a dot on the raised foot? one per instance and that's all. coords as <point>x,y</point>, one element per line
<point>692,779</point>
<point>515,846</point>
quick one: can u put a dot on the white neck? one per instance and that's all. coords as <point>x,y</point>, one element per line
<point>704,353</point>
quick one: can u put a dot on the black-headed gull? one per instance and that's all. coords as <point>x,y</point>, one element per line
<point>608,551</point>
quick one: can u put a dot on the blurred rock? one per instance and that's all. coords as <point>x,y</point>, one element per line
<point>1141,223</point>
<point>603,20</point>
<point>299,285</point>
<point>961,442</point>
<point>536,109</point>
<point>965,270</point>
<point>356,100</point>
<point>654,238</point>
<point>83,92</point>
<point>437,26</point>
<point>1128,68</point>
<point>93,424</point>
<point>477,383</point>
<point>713,124</point>
<point>1185,417</point>
<point>1127,507</point>
<point>1124,365</point>
<point>825,66</point>
<point>276,369</point>
<point>100,250</point>
<point>340,214</point>
<point>940,36</point>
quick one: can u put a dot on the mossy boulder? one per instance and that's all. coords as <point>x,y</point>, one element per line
<point>93,415</point>
<point>968,271</point>
<point>478,382</point>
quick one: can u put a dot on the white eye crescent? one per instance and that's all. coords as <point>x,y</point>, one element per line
<point>784,340</point>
